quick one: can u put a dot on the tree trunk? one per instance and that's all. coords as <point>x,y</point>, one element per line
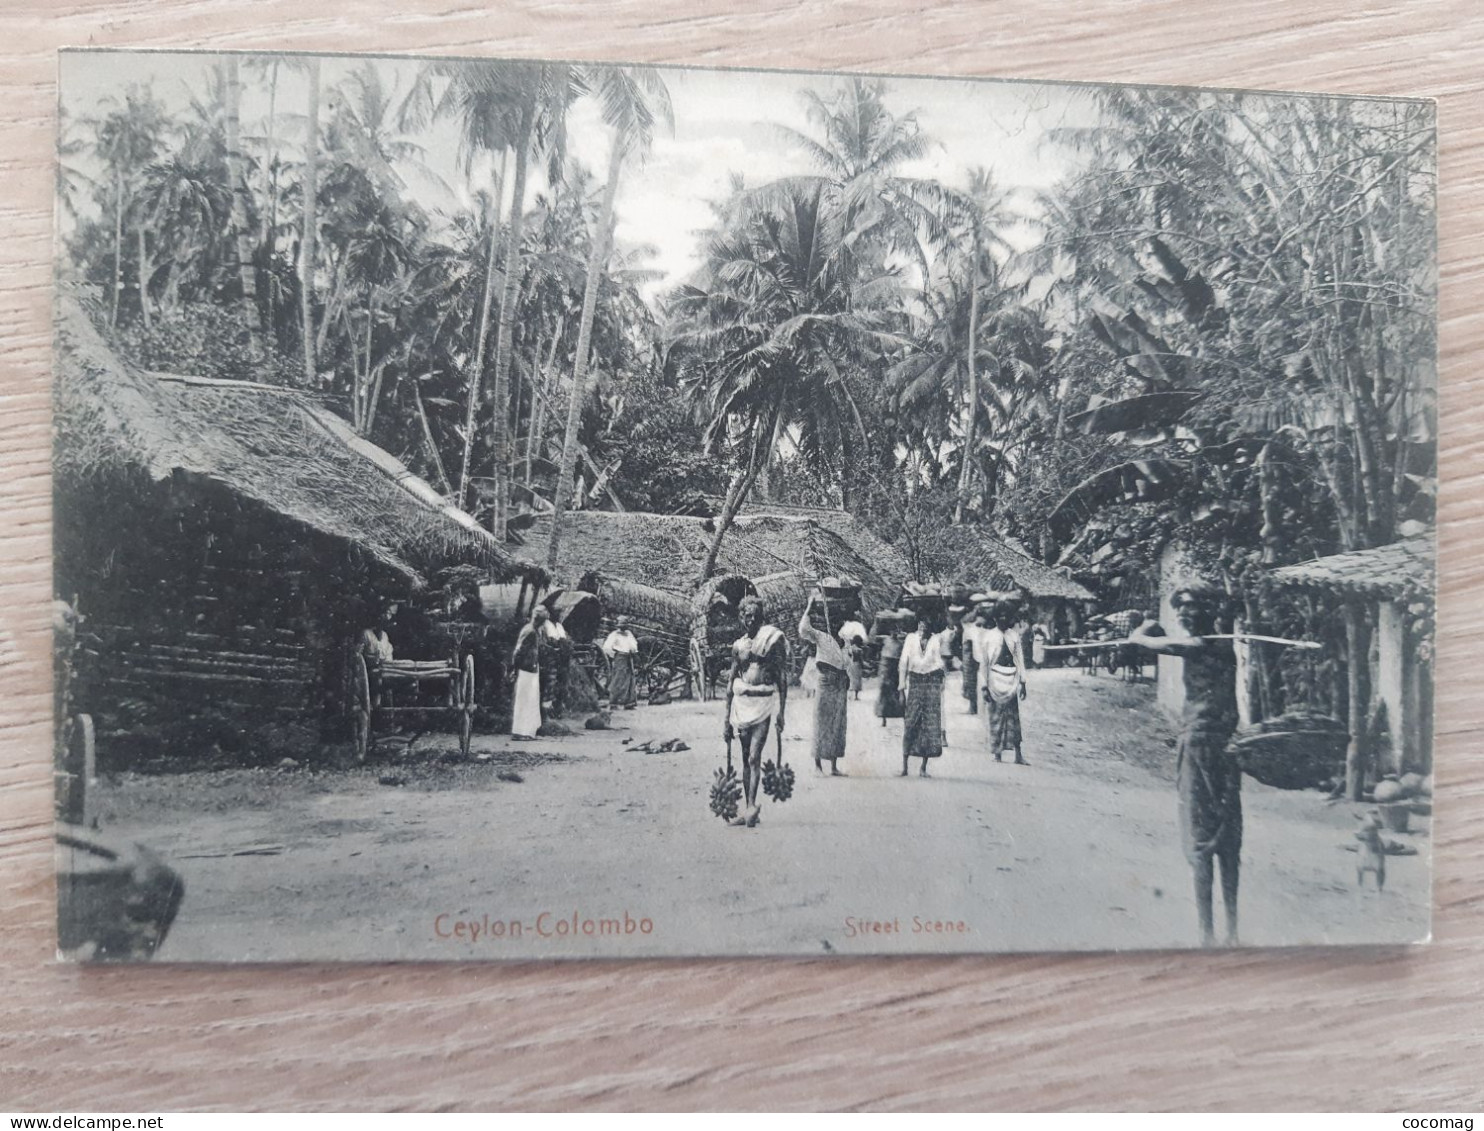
<point>538,399</point>
<point>505,341</point>
<point>597,264</point>
<point>365,383</point>
<point>118,246</point>
<point>268,236</point>
<point>332,302</point>
<point>144,273</point>
<point>1357,660</point>
<point>736,495</point>
<point>422,416</point>
<point>971,411</point>
<point>476,375</point>
<point>236,170</point>
<point>306,242</point>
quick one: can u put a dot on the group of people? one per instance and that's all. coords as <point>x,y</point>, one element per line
<point>914,667</point>
<point>543,651</point>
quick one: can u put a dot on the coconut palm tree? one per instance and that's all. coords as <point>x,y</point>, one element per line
<point>186,202</point>
<point>859,148</point>
<point>126,140</point>
<point>237,171</point>
<point>634,101</point>
<point>766,333</point>
<point>309,231</point>
<point>515,106</point>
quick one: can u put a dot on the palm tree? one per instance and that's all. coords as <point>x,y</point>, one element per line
<point>310,220</point>
<point>765,335</point>
<point>186,202</point>
<point>237,172</point>
<point>127,139</point>
<point>859,149</point>
<point>942,375</point>
<point>512,106</point>
<point>70,179</point>
<point>634,100</point>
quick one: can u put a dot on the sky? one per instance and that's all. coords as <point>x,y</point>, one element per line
<point>725,122</point>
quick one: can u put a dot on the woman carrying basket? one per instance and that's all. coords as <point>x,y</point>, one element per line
<point>920,677</point>
<point>832,705</point>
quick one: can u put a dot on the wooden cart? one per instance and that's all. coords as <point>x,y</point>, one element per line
<point>385,688</point>
<point>659,620</point>
<point>715,627</point>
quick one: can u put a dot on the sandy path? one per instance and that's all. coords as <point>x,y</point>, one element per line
<point>1077,851</point>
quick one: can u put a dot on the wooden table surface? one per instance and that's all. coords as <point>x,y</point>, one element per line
<point>1257,1030</point>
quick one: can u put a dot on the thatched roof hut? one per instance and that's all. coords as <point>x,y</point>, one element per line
<point>266,444</point>
<point>227,542</point>
<point>667,551</point>
<point>886,559</point>
<point>975,557</point>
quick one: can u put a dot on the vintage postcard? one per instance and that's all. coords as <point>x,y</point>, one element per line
<point>552,510</point>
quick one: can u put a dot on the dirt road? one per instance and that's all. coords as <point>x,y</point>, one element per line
<point>599,849</point>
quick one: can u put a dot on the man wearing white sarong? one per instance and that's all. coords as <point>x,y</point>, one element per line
<point>1003,676</point>
<point>526,718</point>
<point>757,692</point>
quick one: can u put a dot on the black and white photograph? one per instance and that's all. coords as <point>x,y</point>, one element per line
<point>539,510</point>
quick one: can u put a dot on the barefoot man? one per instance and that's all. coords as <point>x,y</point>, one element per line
<point>1210,781</point>
<point>757,692</point>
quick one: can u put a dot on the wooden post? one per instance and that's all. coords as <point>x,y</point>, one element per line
<point>1356,659</point>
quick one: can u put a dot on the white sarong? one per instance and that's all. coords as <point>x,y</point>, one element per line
<point>1003,683</point>
<point>749,710</point>
<point>527,717</point>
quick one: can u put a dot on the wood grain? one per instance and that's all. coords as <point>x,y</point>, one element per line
<point>1258,1030</point>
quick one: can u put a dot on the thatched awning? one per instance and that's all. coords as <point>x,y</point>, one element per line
<point>649,610</point>
<point>1387,573</point>
<point>264,443</point>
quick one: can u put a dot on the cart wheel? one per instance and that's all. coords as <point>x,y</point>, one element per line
<point>466,705</point>
<point>700,681</point>
<point>360,706</point>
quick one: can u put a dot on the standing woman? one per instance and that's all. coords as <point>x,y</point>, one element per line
<point>526,718</point>
<point>974,621</point>
<point>889,697</point>
<point>1004,683</point>
<point>832,705</point>
<point>852,636</point>
<point>621,647</point>
<point>920,675</point>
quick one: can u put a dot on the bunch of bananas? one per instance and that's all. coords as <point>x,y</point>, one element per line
<point>778,781</point>
<point>726,792</point>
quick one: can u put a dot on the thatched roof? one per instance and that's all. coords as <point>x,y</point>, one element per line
<point>887,560</point>
<point>1386,572</point>
<point>667,551</point>
<point>978,559</point>
<point>261,442</point>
